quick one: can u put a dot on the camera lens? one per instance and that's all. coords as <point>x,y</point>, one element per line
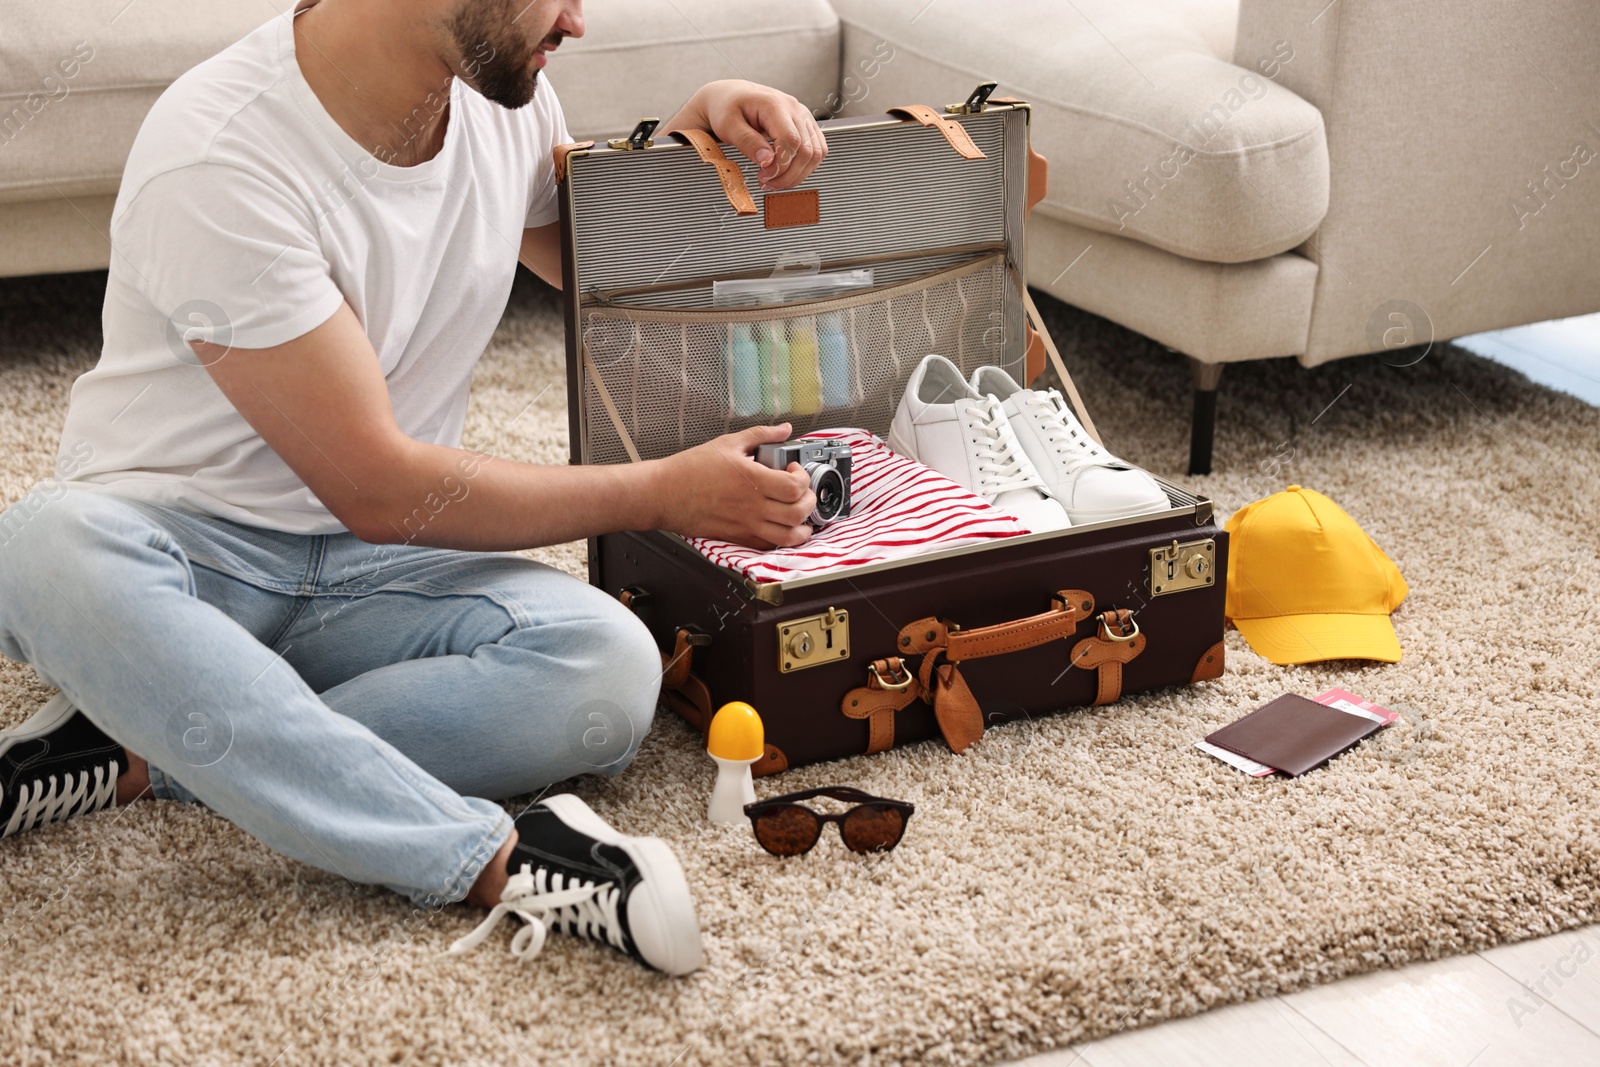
<point>829,487</point>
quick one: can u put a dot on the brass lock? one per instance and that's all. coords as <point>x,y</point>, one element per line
<point>1177,567</point>
<point>813,641</point>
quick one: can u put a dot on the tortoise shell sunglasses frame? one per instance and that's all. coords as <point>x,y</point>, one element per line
<point>785,827</point>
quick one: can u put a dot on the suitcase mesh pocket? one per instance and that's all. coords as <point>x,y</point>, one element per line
<point>679,378</point>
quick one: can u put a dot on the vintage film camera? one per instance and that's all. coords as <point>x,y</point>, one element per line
<point>828,464</point>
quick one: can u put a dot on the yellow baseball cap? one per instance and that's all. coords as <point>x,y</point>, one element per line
<point>1306,583</point>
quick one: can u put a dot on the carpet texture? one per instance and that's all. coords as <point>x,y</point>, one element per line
<point>1069,877</point>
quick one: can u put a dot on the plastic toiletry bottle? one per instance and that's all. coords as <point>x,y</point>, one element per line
<point>833,360</point>
<point>777,365</point>
<point>735,741</point>
<point>744,370</point>
<point>804,386</point>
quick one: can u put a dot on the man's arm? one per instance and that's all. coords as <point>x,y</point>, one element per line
<point>321,403</point>
<point>541,252</point>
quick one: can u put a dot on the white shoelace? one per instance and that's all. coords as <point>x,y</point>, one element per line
<point>1063,433</point>
<point>38,804</point>
<point>542,901</point>
<point>1003,466</point>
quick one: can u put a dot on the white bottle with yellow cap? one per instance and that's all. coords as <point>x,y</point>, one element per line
<point>736,740</point>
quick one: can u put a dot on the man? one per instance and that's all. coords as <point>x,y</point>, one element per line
<point>253,591</point>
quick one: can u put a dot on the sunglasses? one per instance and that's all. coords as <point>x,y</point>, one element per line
<point>784,827</point>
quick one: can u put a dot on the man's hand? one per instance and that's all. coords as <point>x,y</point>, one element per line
<point>718,490</point>
<point>775,131</point>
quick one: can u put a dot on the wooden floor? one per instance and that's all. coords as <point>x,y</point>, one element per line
<point>1535,1003</point>
<point>1564,354</point>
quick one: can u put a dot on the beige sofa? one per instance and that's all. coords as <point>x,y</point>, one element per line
<point>1360,175</point>
<point>1235,180</point>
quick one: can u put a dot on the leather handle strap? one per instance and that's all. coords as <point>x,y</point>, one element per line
<point>1119,641</point>
<point>728,172</point>
<point>1069,607</point>
<point>938,681</point>
<point>952,130</point>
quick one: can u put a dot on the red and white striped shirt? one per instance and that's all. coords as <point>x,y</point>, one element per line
<point>898,508</point>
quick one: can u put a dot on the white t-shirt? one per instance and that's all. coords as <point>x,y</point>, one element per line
<point>246,215</point>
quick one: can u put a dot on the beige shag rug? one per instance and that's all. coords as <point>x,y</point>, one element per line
<point>1069,877</point>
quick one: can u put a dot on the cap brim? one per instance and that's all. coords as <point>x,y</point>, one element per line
<point>1287,639</point>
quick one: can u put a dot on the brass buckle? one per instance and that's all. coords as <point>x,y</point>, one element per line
<point>1106,634</point>
<point>893,687</point>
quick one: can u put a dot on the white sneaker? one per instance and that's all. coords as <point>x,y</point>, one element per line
<point>942,423</point>
<point>1090,483</point>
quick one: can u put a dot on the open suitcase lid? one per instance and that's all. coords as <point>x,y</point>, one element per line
<point>934,203</point>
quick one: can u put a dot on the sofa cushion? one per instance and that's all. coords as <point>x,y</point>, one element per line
<point>645,57</point>
<point>78,76</point>
<point>1151,132</point>
<point>1215,312</point>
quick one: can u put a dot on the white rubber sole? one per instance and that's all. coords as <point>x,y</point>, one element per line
<point>1086,518</point>
<point>662,921</point>
<point>50,716</point>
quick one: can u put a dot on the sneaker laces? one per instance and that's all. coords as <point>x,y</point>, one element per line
<point>1003,466</point>
<point>544,901</point>
<point>1063,433</point>
<point>39,805</point>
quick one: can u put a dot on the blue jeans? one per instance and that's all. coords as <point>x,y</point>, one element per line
<point>350,705</point>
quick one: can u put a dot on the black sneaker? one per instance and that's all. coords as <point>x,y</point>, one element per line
<point>570,871</point>
<point>54,766</point>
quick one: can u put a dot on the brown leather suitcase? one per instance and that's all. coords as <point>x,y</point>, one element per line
<point>945,644</point>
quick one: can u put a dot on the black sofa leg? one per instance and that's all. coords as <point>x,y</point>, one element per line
<point>1207,376</point>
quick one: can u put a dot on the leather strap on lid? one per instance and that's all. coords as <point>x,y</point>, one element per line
<point>952,130</point>
<point>731,176</point>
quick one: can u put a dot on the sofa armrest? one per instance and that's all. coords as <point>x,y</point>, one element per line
<point>1464,161</point>
<point>1151,133</point>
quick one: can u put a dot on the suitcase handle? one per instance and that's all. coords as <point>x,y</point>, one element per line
<point>892,685</point>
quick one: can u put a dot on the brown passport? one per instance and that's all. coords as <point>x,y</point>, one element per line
<point>1293,734</point>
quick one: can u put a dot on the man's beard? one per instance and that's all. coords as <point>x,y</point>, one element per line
<point>494,58</point>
